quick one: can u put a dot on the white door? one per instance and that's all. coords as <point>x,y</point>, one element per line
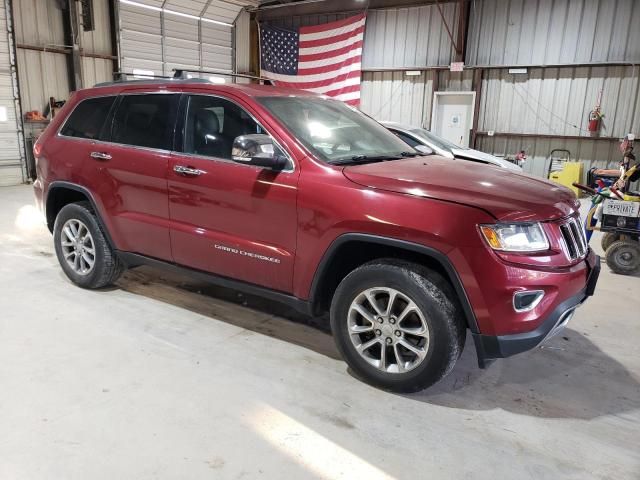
<point>452,116</point>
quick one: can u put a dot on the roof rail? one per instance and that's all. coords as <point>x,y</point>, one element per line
<point>181,74</point>
<point>122,78</point>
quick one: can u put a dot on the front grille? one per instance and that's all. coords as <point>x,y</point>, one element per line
<point>574,239</point>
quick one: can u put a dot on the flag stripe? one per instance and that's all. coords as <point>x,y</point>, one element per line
<point>312,78</point>
<point>344,90</point>
<point>335,46</point>
<point>320,83</point>
<point>353,48</point>
<point>328,68</point>
<point>326,41</point>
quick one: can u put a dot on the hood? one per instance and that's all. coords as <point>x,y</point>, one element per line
<point>471,154</point>
<point>506,195</point>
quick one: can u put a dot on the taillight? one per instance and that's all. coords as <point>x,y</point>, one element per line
<point>37,148</point>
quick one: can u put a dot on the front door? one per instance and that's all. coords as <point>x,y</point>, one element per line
<point>230,219</point>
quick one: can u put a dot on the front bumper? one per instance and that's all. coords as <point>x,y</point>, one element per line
<point>489,347</point>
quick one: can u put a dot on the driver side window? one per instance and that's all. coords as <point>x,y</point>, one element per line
<point>212,124</point>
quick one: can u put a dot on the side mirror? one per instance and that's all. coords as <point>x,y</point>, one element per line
<point>423,149</point>
<point>259,150</point>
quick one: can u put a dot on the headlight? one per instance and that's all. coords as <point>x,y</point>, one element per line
<point>516,237</point>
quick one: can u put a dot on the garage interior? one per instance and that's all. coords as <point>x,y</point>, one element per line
<point>163,376</point>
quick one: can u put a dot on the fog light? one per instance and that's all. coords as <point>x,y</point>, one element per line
<point>527,300</point>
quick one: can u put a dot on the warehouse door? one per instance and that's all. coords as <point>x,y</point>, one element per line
<point>452,116</point>
<point>11,159</point>
<point>191,35</point>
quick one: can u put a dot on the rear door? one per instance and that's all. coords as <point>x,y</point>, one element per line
<point>125,166</point>
<point>231,219</point>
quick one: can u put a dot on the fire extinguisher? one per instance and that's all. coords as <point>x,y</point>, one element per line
<point>594,120</point>
<point>595,115</point>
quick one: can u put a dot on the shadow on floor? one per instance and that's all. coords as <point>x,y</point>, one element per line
<point>570,377</point>
<point>259,315</point>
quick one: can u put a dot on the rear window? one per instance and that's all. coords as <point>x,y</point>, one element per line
<point>88,118</point>
<point>145,120</point>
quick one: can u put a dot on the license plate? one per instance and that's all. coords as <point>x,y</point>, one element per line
<point>620,208</point>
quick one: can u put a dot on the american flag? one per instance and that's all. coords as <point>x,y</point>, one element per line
<point>322,58</point>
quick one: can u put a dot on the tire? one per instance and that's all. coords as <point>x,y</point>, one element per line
<point>623,257</point>
<point>106,267</point>
<point>437,317</point>
<point>607,239</point>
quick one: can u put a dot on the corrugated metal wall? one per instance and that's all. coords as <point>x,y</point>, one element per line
<point>11,154</point>
<point>161,41</point>
<point>557,101</point>
<point>409,37</point>
<point>536,32</point>
<point>98,41</point>
<point>397,97</point>
<point>593,153</point>
<point>42,74</point>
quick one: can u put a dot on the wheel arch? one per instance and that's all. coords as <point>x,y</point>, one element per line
<point>61,193</point>
<point>351,250</point>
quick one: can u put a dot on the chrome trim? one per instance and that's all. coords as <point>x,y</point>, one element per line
<point>539,296</point>
<point>100,155</point>
<point>573,237</point>
<point>560,324</point>
<point>188,171</point>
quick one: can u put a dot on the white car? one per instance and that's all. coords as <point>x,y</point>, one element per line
<point>416,136</point>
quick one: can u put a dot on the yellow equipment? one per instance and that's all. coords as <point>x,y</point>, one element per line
<point>570,173</point>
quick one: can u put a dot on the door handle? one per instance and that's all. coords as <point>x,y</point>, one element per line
<point>189,171</point>
<point>100,155</point>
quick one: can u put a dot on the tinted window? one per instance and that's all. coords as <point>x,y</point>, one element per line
<point>212,124</point>
<point>145,120</point>
<point>88,118</point>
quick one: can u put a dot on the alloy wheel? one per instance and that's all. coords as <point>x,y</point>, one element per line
<point>388,330</point>
<point>78,247</point>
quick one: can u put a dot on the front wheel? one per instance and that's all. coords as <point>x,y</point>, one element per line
<point>397,325</point>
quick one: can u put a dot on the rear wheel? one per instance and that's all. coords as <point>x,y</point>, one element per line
<point>623,256</point>
<point>82,249</point>
<point>608,238</point>
<point>397,325</point>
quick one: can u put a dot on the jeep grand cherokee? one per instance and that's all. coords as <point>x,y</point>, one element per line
<point>305,200</point>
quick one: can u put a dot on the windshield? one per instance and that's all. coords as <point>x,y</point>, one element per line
<point>335,132</point>
<point>437,141</point>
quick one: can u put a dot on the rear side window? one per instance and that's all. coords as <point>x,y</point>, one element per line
<point>145,120</point>
<point>88,118</point>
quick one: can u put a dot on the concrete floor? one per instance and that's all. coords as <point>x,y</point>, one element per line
<point>163,378</point>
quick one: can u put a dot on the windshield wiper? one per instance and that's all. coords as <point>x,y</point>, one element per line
<point>366,159</point>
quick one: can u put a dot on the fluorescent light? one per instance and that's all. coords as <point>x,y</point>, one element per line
<point>412,73</point>
<point>173,12</point>
<point>217,80</point>
<point>518,70</point>
<point>139,73</point>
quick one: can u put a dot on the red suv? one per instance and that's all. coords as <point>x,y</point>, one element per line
<point>305,200</point>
